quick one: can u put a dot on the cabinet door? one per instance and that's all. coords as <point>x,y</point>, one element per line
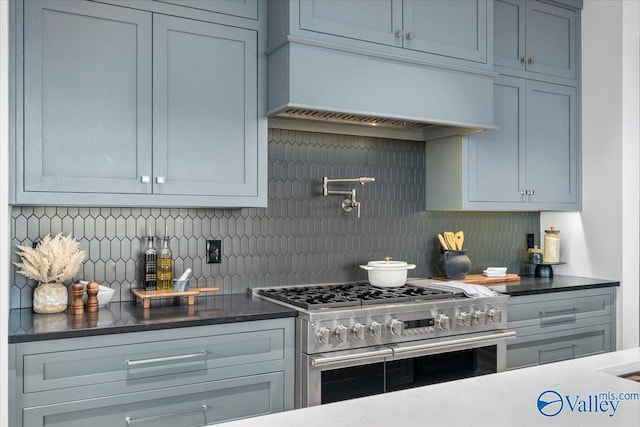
<point>496,157</point>
<point>87,98</point>
<point>243,8</point>
<point>370,20</point>
<point>456,29</point>
<point>552,147</point>
<point>509,33</point>
<point>205,118</point>
<point>551,40</point>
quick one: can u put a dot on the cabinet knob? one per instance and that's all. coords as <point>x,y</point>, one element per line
<point>529,192</point>
<point>160,180</point>
<point>399,34</point>
<point>409,35</point>
<point>145,179</point>
<point>523,192</point>
<point>530,60</point>
<point>524,59</point>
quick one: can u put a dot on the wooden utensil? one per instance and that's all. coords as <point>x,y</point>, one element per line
<point>459,237</point>
<point>443,243</point>
<point>450,239</point>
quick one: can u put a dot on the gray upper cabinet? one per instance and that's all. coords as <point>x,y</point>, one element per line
<point>529,163</point>
<point>241,8</point>
<point>456,29</point>
<point>423,30</point>
<point>204,132</point>
<point>535,146</point>
<point>126,107</point>
<point>87,99</point>
<point>552,145</point>
<point>348,19</point>
<point>533,38</point>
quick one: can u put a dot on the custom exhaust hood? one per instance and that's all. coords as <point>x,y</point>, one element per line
<point>315,83</point>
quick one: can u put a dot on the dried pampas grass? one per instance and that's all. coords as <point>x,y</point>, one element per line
<point>54,260</point>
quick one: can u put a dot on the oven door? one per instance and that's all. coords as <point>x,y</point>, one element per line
<point>336,376</point>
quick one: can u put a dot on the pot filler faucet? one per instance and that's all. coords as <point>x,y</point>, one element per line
<point>351,202</point>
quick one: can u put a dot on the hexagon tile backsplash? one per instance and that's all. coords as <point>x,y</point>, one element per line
<point>301,237</point>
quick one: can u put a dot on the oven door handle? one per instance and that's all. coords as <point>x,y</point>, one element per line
<point>380,353</point>
<point>455,344</point>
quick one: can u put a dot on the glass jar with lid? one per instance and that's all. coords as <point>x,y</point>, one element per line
<point>551,246</point>
<point>535,255</point>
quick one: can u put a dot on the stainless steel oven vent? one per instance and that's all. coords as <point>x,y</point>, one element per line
<point>354,119</point>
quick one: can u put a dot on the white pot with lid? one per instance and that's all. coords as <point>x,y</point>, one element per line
<point>387,273</point>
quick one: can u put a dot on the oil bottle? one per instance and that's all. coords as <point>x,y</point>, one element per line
<point>150,264</point>
<point>165,265</point>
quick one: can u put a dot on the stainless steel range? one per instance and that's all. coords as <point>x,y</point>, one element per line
<point>355,339</point>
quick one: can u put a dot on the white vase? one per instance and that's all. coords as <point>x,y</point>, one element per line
<point>50,298</point>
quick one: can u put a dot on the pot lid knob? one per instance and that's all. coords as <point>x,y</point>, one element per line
<point>387,258</point>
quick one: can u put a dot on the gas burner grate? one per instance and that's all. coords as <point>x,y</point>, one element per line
<point>352,295</point>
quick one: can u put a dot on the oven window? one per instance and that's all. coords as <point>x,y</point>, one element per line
<point>437,368</point>
<point>366,380</point>
<point>349,383</point>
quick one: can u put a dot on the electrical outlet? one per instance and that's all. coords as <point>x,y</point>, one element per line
<point>214,251</point>
<point>529,240</point>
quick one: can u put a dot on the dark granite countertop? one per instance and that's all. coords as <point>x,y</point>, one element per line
<point>530,285</point>
<point>25,325</point>
<point>122,317</point>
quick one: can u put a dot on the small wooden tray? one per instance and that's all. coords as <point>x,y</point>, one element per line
<point>481,279</point>
<point>146,296</point>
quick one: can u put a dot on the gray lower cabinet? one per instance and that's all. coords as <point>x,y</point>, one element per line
<point>440,29</point>
<point>194,405</point>
<point>177,377</point>
<point>531,162</point>
<point>535,39</point>
<point>127,107</point>
<point>561,325</point>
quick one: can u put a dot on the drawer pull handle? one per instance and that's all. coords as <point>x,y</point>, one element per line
<point>571,347</point>
<point>558,312</point>
<point>166,359</point>
<point>131,421</point>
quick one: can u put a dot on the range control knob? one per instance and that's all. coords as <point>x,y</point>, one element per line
<point>464,319</point>
<point>495,315</point>
<point>341,333</point>
<point>444,322</point>
<point>479,317</point>
<point>358,331</point>
<point>324,335</point>
<point>375,328</point>
<point>396,327</point>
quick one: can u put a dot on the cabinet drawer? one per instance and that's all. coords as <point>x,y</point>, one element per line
<point>547,312</point>
<point>194,405</point>
<point>163,363</point>
<point>557,346</point>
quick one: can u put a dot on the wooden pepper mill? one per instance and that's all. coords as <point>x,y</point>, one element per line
<point>92,298</point>
<point>77,306</point>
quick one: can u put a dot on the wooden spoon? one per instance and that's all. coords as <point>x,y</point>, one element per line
<point>443,243</point>
<point>450,239</point>
<point>459,238</point>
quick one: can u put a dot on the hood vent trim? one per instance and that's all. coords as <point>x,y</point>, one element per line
<point>352,119</point>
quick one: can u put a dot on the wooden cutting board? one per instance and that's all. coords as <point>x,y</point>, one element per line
<point>481,279</point>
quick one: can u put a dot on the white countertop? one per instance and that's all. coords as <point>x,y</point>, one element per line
<point>504,399</point>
